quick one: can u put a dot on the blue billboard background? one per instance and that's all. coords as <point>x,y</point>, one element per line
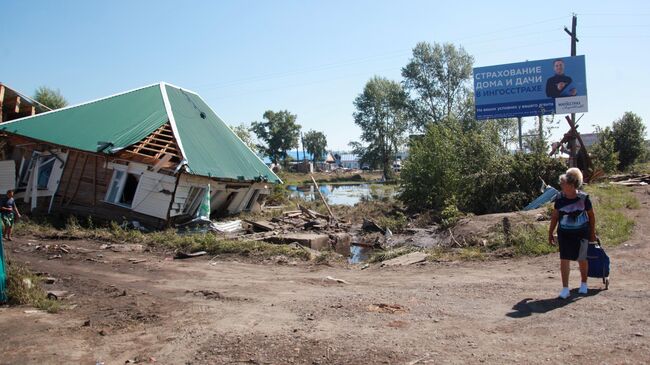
<point>530,88</point>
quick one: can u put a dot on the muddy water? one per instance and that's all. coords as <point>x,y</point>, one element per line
<point>359,254</point>
<point>343,194</point>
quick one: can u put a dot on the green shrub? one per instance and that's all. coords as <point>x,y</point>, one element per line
<point>23,287</point>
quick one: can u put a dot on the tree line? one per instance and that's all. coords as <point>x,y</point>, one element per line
<point>455,162</point>
<point>279,133</point>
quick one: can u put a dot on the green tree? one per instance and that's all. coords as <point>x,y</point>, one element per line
<point>244,133</point>
<point>629,134</point>
<point>437,79</point>
<point>315,143</point>
<point>50,98</point>
<point>381,115</point>
<point>603,153</point>
<point>472,169</point>
<point>279,132</point>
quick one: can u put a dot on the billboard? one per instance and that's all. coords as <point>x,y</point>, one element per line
<point>552,86</point>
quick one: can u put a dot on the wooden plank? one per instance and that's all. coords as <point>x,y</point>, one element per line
<point>323,199</point>
<point>2,98</point>
<point>76,189</point>
<point>67,185</point>
<point>95,182</point>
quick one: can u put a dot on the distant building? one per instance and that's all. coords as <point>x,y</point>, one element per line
<point>349,161</point>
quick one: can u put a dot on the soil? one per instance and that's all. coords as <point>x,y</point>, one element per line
<point>222,311</point>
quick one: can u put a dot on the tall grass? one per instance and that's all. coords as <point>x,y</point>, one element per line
<point>167,239</point>
<point>23,287</point>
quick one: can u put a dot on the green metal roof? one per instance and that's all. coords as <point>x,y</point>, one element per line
<point>122,120</point>
<point>207,144</point>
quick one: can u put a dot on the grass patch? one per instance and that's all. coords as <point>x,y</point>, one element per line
<point>168,239</point>
<point>609,201</point>
<point>396,222</point>
<point>471,254</point>
<point>384,255</point>
<point>23,287</point>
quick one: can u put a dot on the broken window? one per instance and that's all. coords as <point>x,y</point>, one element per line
<point>46,166</point>
<point>44,171</point>
<point>249,205</point>
<point>122,188</point>
<point>130,186</point>
<point>193,200</point>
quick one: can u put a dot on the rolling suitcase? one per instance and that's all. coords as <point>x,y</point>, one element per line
<point>598,262</point>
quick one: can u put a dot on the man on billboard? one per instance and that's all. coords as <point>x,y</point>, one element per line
<point>559,85</point>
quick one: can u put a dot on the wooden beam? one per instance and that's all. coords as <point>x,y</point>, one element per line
<point>17,106</point>
<point>95,181</point>
<point>74,165</point>
<point>76,189</point>
<point>2,99</point>
<point>577,135</point>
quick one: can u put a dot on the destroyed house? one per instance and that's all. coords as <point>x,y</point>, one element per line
<point>146,155</point>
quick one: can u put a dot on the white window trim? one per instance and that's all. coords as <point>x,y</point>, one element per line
<point>120,189</point>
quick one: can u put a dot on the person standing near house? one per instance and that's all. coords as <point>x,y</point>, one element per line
<point>573,215</point>
<point>7,210</point>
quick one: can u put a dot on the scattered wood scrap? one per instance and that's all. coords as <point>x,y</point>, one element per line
<point>408,259</point>
<point>182,255</point>
<point>630,179</point>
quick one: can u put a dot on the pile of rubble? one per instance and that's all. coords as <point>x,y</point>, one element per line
<point>630,179</point>
<point>303,226</point>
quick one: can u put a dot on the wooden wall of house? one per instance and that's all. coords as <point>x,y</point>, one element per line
<point>84,180</point>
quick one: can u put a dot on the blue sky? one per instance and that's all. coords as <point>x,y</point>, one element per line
<point>310,57</point>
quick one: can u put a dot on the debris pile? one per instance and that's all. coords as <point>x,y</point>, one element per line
<point>303,226</point>
<point>630,179</point>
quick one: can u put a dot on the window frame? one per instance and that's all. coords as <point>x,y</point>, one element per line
<point>117,169</point>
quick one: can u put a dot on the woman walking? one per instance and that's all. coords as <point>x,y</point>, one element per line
<point>573,215</point>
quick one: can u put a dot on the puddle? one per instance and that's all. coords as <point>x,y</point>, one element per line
<point>343,194</point>
<point>359,254</point>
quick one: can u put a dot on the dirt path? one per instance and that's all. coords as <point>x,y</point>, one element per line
<point>226,312</point>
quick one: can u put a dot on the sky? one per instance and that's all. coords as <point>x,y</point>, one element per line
<point>311,58</point>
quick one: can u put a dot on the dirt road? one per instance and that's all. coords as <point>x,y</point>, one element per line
<point>226,312</point>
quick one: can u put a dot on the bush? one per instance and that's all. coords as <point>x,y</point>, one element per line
<point>629,133</point>
<point>603,153</point>
<point>473,168</point>
<point>23,287</point>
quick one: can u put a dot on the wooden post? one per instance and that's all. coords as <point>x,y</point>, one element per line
<point>574,40</point>
<point>34,197</point>
<point>323,198</point>
<point>521,143</point>
<point>95,181</point>
<point>2,98</point>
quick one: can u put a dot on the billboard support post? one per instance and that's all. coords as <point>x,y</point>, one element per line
<point>521,144</point>
<point>574,40</point>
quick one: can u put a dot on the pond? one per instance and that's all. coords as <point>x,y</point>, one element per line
<point>343,194</point>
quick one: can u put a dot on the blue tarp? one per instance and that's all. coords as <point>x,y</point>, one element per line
<point>546,197</point>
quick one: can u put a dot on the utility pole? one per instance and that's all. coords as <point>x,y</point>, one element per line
<point>521,144</point>
<point>574,39</point>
